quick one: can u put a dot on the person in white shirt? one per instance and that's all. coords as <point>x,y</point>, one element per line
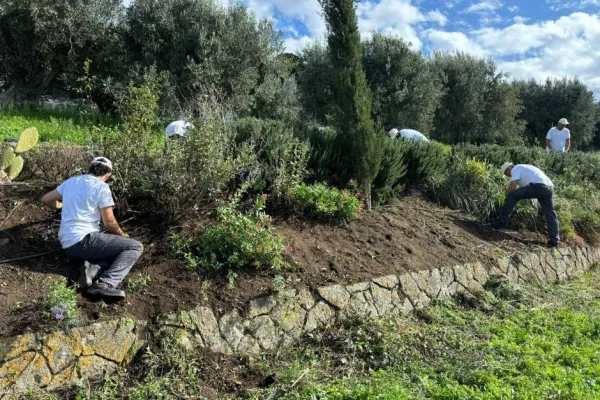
<point>87,200</point>
<point>532,184</point>
<point>558,138</point>
<point>178,129</point>
<point>409,134</point>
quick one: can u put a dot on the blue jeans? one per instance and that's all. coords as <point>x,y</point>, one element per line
<point>112,255</point>
<point>544,195</point>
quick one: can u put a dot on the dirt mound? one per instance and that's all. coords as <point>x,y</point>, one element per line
<point>412,235</point>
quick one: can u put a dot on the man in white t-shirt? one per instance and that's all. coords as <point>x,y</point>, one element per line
<point>409,134</point>
<point>178,129</point>
<point>87,200</point>
<point>559,138</point>
<point>532,183</point>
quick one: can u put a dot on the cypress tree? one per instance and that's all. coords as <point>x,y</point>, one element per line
<point>359,149</point>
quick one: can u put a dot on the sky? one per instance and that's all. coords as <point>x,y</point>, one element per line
<point>527,38</point>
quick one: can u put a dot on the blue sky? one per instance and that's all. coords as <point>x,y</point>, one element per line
<point>527,38</point>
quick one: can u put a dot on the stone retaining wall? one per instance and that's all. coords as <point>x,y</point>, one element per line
<point>30,362</point>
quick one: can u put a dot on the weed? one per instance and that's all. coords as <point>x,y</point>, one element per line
<point>322,202</point>
<point>139,282</point>
<point>61,302</point>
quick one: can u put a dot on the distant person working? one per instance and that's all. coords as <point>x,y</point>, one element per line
<point>409,134</point>
<point>533,184</point>
<point>178,129</point>
<point>558,138</point>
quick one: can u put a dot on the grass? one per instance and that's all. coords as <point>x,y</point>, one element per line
<point>53,125</point>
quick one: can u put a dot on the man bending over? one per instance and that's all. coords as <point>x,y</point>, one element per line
<point>533,184</point>
<point>107,258</point>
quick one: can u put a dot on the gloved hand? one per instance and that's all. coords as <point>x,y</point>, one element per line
<point>125,234</point>
<point>58,205</point>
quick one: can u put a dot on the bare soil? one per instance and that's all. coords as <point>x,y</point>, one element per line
<point>412,235</point>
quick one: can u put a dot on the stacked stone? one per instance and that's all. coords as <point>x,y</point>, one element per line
<point>269,322</point>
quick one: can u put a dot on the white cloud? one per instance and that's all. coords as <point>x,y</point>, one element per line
<point>520,20</point>
<point>307,12</point>
<point>484,7</point>
<point>452,41</point>
<point>557,5</point>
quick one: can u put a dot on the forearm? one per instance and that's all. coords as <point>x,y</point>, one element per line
<point>113,227</point>
<point>53,205</point>
<point>549,144</point>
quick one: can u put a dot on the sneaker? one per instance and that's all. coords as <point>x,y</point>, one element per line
<point>497,224</point>
<point>88,273</point>
<point>105,290</point>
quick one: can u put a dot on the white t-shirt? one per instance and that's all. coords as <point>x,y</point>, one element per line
<point>82,197</point>
<point>179,128</point>
<point>411,134</point>
<point>527,174</point>
<point>558,139</point>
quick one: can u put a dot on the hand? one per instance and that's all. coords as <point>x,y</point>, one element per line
<point>58,205</point>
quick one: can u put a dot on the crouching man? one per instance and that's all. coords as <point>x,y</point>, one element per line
<point>107,258</point>
<point>533,184</point>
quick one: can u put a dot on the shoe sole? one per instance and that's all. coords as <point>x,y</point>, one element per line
<point>101,293</point>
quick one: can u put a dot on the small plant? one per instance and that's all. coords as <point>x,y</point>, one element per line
<point>139,282</point>
<point>12,162</point>
<point>61,301</point>
<point>237,240</point>
<point>278,284</point>
<point>322,202</point>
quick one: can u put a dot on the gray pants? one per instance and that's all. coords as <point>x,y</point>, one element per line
<point>544,195</point>
<point>112,255</point>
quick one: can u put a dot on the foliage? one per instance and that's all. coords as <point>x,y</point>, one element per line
<point>55,163</point>
<point>322,202</point>
<point>391,179</point>
<point>358,146</point>
<point>282,158</point>
<point>11,163</point>
<point>545,103</point>
<point>425,161</point>
<point>406,90</point>
<point>322,150</point>
<point>478,105</point>
<point>472,186</point>
<point>238,240</point>
<point>61,302</point>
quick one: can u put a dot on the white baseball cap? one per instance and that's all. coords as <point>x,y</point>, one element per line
<point>505,166</point>
<point>103,161</point>
<point>563,121</point>
<point>393,133</point>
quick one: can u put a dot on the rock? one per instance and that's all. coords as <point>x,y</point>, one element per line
<point>62,349</point>
<point>13,347</point>
<point>480,274</point>
<point>358,287</point>
<point>361,306</point>
<point>265,332</point>
<point>111,340</point>
<point>12,370</point>
<point>335,295</point>
<point>454,288</point>
<point>460,275</point>
<point>319,316</point>
<point>434,284</point>
<point>36,375</point>
<point>382,300</point>
<point>261,306</point>
<point>408,286</point>
<point>180,319</point>
<point>93,366</point>
<point>248,345</point>
<point>306,299</point>
<point>447,275</point>
<point>408,307</point>
<point>513,273</point>
<point>208,327</point>
<point>422,279</point>
<point>64,379</point>
<point>561,270</point>
<point>502,264</point>
<point>231,329</point>
<point>290,317</point>
<point>387,282</point>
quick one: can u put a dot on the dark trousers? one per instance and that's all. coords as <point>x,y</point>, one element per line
<point>544,195</point>
<point>112,255</point>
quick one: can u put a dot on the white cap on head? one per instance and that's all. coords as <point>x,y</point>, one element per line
<point>103,161</point>
<point>393,133</point>
<point>505,166</point>
<point>563,121</point>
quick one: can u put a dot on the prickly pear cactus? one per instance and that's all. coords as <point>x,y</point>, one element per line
<point>27,141</point>
<point>11,165</point>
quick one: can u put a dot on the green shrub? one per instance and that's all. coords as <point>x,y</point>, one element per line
<point>587,225</point>
<point>237,240</point>
<point>425,161</point>
<point>322,202</point>
<point>61,302</point>
<point>281,157</point>
<point>322,150</point>
<point>391,179</point>
<point>472,186</point>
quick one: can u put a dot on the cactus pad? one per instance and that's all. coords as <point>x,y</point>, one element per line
<point>8,156</point>
<point>28,139</point>
<point>15,168</point>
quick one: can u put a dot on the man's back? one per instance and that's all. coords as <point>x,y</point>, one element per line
<point>526,174</point>
<point>83,197</point>
<point>411,134</point>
